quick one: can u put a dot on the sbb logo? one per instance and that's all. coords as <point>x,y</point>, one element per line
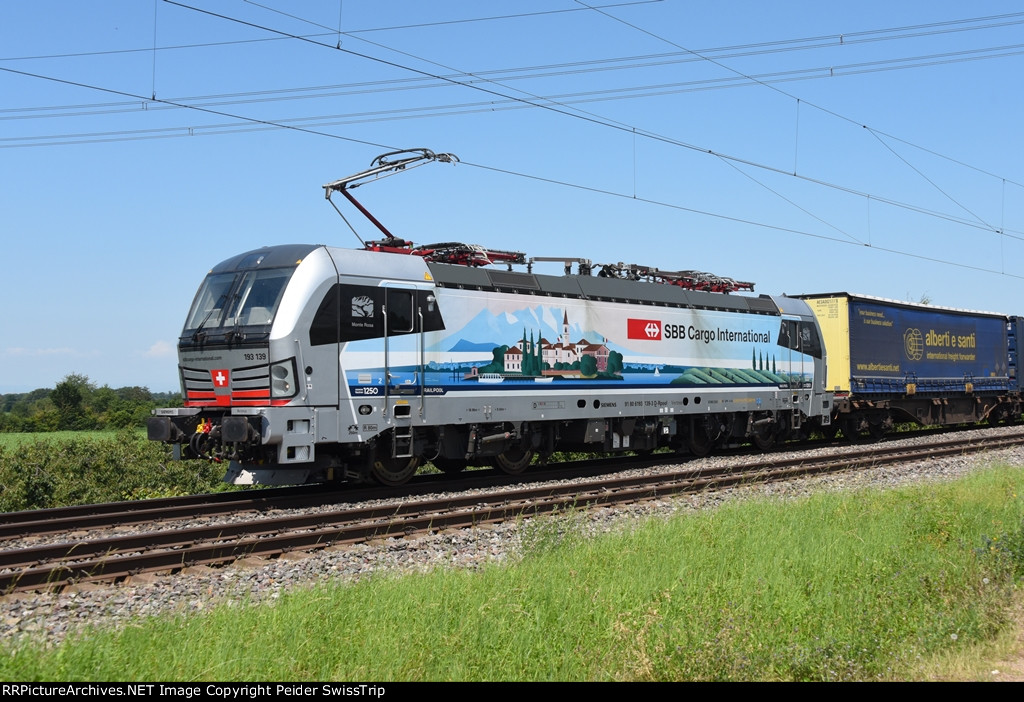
<point>649,329</point>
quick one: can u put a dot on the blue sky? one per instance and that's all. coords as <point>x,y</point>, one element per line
<point>805,146</point>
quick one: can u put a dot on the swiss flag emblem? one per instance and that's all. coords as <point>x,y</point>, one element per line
<point>221,378</point>
<point>649,329</point>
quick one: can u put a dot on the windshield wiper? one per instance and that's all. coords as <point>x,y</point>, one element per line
<point>199,330</point>
<point>234,334</point>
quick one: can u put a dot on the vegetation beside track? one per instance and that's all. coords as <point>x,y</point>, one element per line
<point>70,468</point>
<point>854,586</point>
<point>77,404</point>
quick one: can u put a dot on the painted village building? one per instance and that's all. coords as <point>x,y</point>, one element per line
<point>565,351</point>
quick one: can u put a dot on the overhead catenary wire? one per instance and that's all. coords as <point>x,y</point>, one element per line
<point>556,106</point>
<point>603,64</point>
<point>846,38</point>
<point>488,18</point>
<point>173,104</point>
<point>932,182</point>
<point>793,97</point>
<point>313,128</point>
<point>750,49</point>
<point>598,120</point>
<point>740,220</point>
<point>608,94</point>
<point>198,108</point>
<point>275,124</point>
<point>651,201</point>
<point>333,32</point>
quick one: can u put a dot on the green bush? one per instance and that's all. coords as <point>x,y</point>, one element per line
<point>125,466</point>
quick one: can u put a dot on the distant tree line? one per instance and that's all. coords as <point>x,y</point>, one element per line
<point>76,404</point>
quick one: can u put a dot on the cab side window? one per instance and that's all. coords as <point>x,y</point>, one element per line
<point>399,311</point>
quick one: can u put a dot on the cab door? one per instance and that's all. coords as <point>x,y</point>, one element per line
<point>403,364</point>
<point>792,355</point>
<point>403,347</point>
<point>801,347</point>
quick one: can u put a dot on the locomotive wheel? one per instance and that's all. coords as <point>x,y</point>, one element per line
<point>514,461</point>
<point>698,442</point>
<point>763,440</point>
<point>829,431</point>
<point>394,471</point>
<point>450,465</point>
<point>764,436</point>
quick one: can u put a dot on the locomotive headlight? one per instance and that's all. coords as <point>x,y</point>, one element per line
<point>282,379</point>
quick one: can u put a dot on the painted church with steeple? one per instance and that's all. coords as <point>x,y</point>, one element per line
<point>565,351</point>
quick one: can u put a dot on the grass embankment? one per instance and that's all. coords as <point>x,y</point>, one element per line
<point>834,587</point>
<point>68,468</point>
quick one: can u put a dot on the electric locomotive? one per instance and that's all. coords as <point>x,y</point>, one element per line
<point>309,363</point>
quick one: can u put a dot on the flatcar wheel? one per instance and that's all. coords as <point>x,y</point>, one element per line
<point>450,465</point>
<point>394,471</point>
<point>514,461</point>
<point>876,431</point>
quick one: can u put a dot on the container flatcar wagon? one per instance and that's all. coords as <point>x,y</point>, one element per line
<point>891,362</point>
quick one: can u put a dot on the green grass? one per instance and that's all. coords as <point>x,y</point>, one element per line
<point>861,586</point>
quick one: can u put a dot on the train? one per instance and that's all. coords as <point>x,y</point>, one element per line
<point>308,363</point>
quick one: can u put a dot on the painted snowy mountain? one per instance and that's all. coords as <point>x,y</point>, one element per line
<point>464,345</point>
<point>488,330</point>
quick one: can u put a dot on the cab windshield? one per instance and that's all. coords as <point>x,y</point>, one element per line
<point>238,299</point>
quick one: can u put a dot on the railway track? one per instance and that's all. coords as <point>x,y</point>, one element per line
<point>62,520</point>
<point>76,518</point>
<point>108,559</point>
